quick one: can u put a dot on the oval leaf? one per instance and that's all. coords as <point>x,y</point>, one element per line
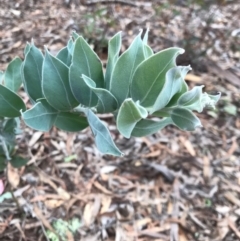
<point>64,56</point>
<point>114,47</point>
<point>148,127</point>
<point>185,119</point>
<point>129,114</point>
<point>32,72</point>
<point>86,62</point>
<point>192,99</point>
<point>172,85</point>
<point>10,103</point>
<point>70,122</point>
<point>124,69</point>
<point>102,135</point>
<point>41,116</point>
<point>70,46</point>
<point>27,48</point>
<point>18,161</point>
<point>56,87</point>
<point>106,101</point>
<point>184,89</point>
<point>12,79</point>
<point>149,77</point>
<point>9,131</point>
<point>1,77</point>
<point>148,52</point>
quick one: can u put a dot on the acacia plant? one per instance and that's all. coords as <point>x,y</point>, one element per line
<point>145,91</point>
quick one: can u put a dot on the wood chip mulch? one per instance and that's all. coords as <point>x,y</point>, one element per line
<point>173,185</point>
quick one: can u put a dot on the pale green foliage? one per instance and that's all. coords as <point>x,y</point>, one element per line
<point>10,103</point>
<point>4,196</point>
<point>123,71</point>
<point>130,113</point>
<point>144,91</point>
<point>31,72</point>
<point>61,227</point>
<point>1,76</point>
<point>12,78</point>
<point>9,127</point>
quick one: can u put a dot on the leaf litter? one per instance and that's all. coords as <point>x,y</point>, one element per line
<point>168,186</point>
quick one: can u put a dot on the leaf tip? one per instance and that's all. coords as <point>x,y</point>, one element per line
<point>32,42</point>
<point>181,51</point>
<point>46,49</point>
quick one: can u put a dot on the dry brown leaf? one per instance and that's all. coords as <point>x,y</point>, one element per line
<point>63,194</point>
<point>174,232</point>
<point>182,235</point>
<point>87,214</point>
<point>45,197</point>
<point>106,202</point>
<point>193,78</point>
<point>170,208</point>
<point>53,203</point>
<point>91,237</point>
<point>67,165</point>
<point>237,211</point>
<point>122,234</point>
<point>3,227</point>
<point>188,145</point>
<point>232,198</point>
<point>69,236</point>
<point>77,173</point>
<point>164,227</point>
<point>213,67</point>
<point>5,224</point>
<point>153,154</point>
<point>39,153</point>
<point>159,204</point>
<point>223,209</point>
<point>56,145</point>
<point>140,223</point>
<point>206,168</point>
<point>233,147</point>
<point>125,212</point>
<point>223,228</point>
<point>104,177</point>
<point>32,225</point>
<point>175,211</point>
<point>91,211</point>
<point>18,226</point>
<point>42,218</point>
<point>35,137</point>
<point>45,179</point>
<point>101,188</point>
<point>234,228</point>
<point>69,143</point>
<point>155,232</point>
<point>13,175</point>
<point>17,44</point>
<point>148,143</point>
<point>107,169</point>
<point>163,169</point>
